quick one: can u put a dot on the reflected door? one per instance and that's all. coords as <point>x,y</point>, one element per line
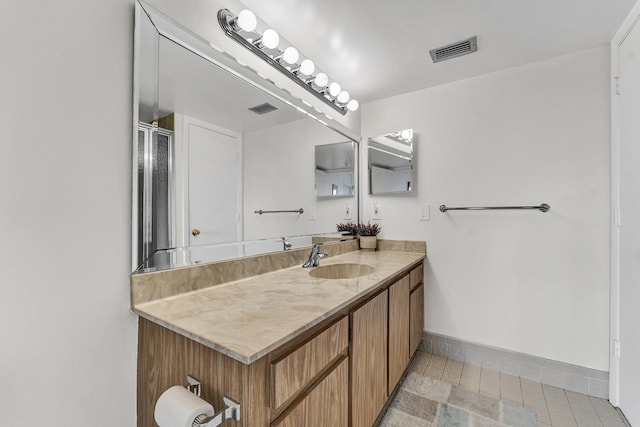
<point>214,185</point>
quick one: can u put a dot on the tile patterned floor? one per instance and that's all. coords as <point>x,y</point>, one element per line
<point>554,407</point>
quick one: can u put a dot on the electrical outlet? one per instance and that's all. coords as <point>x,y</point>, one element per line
<point>424,213</point>
<point>375,210</point>
<point>312,213</point>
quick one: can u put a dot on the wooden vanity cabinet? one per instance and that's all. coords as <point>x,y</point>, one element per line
<point>304,383</point>
<point>385,332</point>
<point>339,373</point>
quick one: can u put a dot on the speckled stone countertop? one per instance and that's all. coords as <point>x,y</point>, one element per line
<point>246,319</point>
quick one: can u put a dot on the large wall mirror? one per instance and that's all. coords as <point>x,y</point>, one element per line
<point>218,149</point>
<point>391,163</point>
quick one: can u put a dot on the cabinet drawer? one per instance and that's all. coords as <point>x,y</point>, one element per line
<point>297,369</point>
<point>416,276</point>
<point>326,405</point>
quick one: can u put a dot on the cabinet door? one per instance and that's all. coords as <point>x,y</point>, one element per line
<point>416,311</point>
<point>369,360</point>
<point>325,405</point>
<point>398,331</point>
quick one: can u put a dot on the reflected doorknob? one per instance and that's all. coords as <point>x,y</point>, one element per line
<point>195,231</point>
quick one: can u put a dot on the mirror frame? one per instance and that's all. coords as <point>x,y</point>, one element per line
<point>176,32</point>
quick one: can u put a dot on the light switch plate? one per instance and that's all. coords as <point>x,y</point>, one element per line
<point>347,211</point>
<point>312,213</point>
<point>424,213</point>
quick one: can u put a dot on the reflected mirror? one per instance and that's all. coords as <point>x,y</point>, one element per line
<point>218,148</point>
<point>335,170</point>
<point>391,163</point>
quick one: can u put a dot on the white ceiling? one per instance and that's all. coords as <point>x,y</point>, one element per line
<point>379,48</point>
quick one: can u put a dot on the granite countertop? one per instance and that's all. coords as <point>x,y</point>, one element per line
<point>246,319</point>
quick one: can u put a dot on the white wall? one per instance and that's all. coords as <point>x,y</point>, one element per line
<point>68,338</point>
<point>536,283</point>
<point>279,174</point>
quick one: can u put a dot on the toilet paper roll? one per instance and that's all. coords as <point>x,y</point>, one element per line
<point>178,407</point>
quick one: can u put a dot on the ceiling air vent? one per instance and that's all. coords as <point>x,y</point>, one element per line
<point>263,108</point>
<point>454,50</point>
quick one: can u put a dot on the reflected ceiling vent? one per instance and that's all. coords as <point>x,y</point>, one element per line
<point>454,50</point>
<point>263,108</point>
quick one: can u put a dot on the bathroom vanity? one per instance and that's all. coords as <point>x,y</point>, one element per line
<point>293,349</point>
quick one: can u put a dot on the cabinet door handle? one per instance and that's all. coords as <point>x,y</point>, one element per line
<point>195,231</point>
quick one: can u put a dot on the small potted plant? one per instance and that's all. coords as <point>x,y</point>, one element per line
<point>347,228</point>
<point>367,233</point>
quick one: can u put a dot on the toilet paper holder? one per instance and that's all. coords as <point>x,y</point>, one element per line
<point>231,409</point>
<point>194,386</point>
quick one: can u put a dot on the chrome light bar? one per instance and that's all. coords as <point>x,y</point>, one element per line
<point>242,28</point>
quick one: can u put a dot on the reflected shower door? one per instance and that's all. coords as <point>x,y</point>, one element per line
<point>155,190</point>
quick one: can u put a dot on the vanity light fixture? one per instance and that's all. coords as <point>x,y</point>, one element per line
<point>242,28</point>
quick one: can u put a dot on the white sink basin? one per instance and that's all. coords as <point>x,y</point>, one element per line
<point>341,271</point>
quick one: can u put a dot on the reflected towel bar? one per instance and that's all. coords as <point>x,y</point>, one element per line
<point>542,208</point>
<point>298,211</point>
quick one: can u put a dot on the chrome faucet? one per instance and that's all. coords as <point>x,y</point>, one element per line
<point>286,244</point>
<point>315,256</point>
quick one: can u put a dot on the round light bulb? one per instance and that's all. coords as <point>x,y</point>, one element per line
<point>321,80</point>
<point>247,20</point>
<point>353,105</point>
<point>307,67</point>
<point>334,89</point>
<point>270,39</point>
<point>343,97</point>
<point>290,55</point>
<point>406,134</point>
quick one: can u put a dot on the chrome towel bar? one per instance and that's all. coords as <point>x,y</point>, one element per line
<point>298,211</point>
<point>542,208</point>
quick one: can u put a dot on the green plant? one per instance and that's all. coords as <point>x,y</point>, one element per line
<point>368,229</point>
<point>349,226</point>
